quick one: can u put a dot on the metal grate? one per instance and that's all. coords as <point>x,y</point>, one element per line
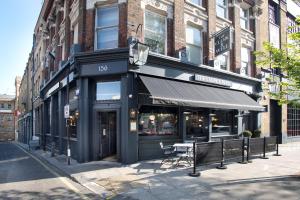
<point>293,120</point>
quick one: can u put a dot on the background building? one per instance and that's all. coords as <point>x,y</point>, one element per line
<point>7,118</point>
<point>280,120</point>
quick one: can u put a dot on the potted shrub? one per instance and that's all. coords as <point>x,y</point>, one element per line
<point>256,133</point>
<point>247,133</point>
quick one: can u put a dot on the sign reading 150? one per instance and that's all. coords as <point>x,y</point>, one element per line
<point>102,68</point>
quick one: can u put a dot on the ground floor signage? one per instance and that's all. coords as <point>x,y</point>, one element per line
<point>104,68</point>
<point>213,80</point>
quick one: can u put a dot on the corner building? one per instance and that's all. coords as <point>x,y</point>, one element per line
<point>182,92</point>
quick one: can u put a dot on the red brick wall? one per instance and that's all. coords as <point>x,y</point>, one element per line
<point>179,29</point>
<point>89,30</point>
<point>123,25</point>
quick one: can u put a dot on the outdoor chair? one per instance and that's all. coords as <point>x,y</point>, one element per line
<point>168,152</point>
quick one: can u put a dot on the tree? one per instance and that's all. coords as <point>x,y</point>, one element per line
<point>287,59</point>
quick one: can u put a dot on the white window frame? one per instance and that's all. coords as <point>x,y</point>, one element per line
<point>195,45</point>
<point>166,29</point>
<point>105,27</point>
<point>248,70</point>
<point>225,7</point>
<point>247,18</point>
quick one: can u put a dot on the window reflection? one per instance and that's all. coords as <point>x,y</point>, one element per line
<point>196,125</point>
<point>158,121</point>
<point>108,90</point>
<point>223,123</point>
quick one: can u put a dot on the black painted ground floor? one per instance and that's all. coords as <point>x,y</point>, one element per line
<point>122,112</point>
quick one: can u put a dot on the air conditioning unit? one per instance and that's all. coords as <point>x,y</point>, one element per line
<point>183,55</point>
<point>215,64</point>
<point>52,73</point>
<point>61,63</point>
<point>75,48</point>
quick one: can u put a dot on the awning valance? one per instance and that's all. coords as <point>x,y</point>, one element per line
<point>164,91</point>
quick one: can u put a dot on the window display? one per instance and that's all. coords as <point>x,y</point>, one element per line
<point>223,123</point>
<point>158,121</point>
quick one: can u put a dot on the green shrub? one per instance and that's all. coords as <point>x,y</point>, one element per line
<point>256,133</point>
<point>247,133</point>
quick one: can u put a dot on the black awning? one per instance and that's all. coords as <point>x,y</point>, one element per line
<point>164,91</point>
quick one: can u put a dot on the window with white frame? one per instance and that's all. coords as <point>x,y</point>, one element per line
<point>155,32</point>
<point>107,23</point>
<point>244,18</point>
<point>222,8</point>
<point>197,2</point>
<point>193,45</point>
<point>223,60</point>
<point>245,61</point>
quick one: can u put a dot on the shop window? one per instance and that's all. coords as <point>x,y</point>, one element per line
<point>223,60</point>
<point>245,61</point>
<point>293,121</point>
<point>108,90</point>
<point>155,32</point>
<point>193,45</point>
<point>244,18</point>
<point>223,123</point>
<point>222,8</point>
<point>73,120</point>
<point>158,121</point>
<point>107,22</point>
<point>195,125</point>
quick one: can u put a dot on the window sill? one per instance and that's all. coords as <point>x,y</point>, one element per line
<point>224,19</point>
<point>247,31</point>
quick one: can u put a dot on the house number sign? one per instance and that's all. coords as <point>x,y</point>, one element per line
<point>104,68</point>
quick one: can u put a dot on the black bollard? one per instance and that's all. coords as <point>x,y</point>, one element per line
<point>194,173</point>
<point>277,147</point>
<point>52,149</point>
<point>248,150</point>
<point>222,166</point>
<point>265,145</point>
<point>243,153</point>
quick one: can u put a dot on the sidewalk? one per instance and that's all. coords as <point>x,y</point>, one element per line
<point>274,178</point>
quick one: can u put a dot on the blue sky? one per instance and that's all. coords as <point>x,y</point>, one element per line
<point>17,21</point>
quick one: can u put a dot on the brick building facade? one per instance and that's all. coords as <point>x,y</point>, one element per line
<point>7,117</point>
<point>81,47</point>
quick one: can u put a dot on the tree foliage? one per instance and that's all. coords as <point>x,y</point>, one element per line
<point>287,59</point>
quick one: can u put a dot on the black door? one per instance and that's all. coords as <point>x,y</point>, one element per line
<point>275,118</point>
<point>108,132</point>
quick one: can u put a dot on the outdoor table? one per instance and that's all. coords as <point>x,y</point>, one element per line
<point>183,150</point>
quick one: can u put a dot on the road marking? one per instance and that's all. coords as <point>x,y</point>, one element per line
<point>14,159</point>
<point>62,179</point>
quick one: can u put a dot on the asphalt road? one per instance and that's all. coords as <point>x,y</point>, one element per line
<point>23,176</point>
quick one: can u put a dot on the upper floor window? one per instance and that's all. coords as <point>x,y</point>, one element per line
<point>197,2</point>
<point>9,106</point>
<point>107,22</point>
<point>2,105</point>
<point>155,32</point>
<point>223,60</point>
<point>244,18</point>
<point>273,13</point>
<point>193,45</point>
<point>222,8</point>
<point>245,61</point>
